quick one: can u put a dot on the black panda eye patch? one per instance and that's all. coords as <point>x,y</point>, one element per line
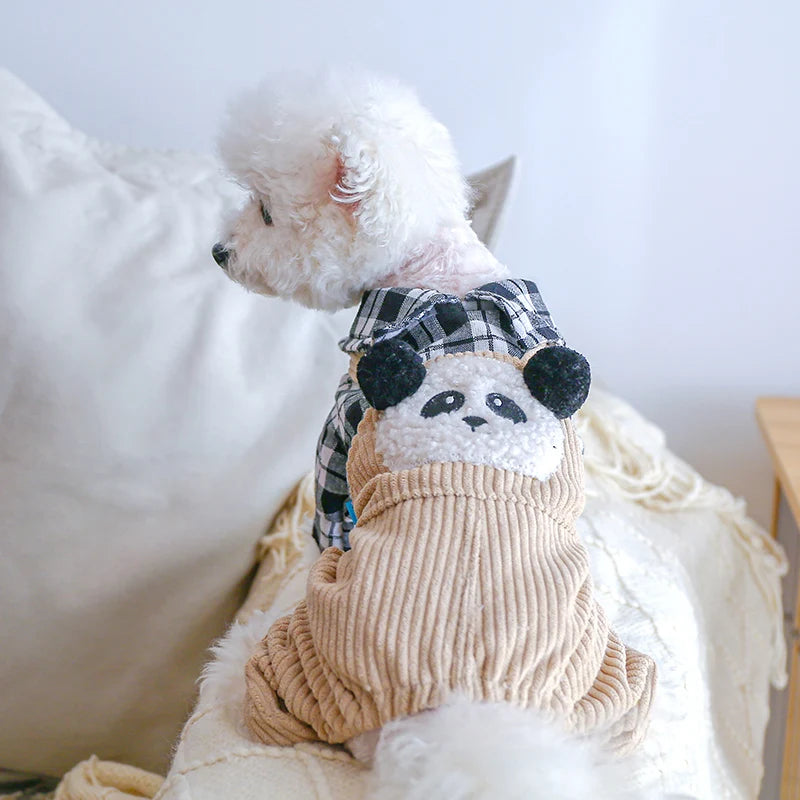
<point>442,403</point>
<point>265,215</point>
<point>505,407</point>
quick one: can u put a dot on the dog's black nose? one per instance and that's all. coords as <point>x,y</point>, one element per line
<point>474,422</point>
<point>220,254</point>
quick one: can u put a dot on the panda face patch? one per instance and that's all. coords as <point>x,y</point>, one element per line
<point>473,409</point>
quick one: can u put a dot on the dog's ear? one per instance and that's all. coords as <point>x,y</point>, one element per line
<point>398,174</point>
<point>390,372</point>
<point>355,172</point>
<point>559,379</point>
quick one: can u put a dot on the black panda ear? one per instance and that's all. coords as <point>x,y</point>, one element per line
<point>390,372</point>
<point>559,379</point>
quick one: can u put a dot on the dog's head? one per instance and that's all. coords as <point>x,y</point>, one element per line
<point>347,175</point>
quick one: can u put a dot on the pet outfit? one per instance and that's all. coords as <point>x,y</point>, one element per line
<point>502,317</point>
<point>462,579</point>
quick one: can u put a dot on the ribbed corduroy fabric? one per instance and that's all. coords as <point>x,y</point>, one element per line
<point>462,579</point>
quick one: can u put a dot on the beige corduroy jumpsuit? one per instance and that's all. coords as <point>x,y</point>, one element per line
<point>462,579</point>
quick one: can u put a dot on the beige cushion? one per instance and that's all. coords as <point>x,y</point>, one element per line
<point>153,416</point>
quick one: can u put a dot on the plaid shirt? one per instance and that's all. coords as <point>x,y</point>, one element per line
<point>502,317</point>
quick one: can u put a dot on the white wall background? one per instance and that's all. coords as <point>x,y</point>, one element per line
<point>659,196</point>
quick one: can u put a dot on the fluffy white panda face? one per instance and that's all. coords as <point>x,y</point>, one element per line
<point>472,409</point>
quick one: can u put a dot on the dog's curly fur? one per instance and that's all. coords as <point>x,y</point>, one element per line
<point>361,186</point>
<point>486,751</point>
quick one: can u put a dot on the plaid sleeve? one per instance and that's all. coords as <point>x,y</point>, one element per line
<point>331,523</point>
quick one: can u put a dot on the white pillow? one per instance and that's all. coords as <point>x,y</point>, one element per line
<point>152,417</point>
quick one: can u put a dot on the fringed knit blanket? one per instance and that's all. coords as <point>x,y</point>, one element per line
<point>639,496</point>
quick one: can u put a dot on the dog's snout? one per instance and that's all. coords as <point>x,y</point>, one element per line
<point>221,254</point>
<point>474,422</point>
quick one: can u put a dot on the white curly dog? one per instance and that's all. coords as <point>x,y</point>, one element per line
<point>354,185</point>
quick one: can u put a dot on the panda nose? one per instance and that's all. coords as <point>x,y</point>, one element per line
<point>474,422</point>
<point>220,254</point>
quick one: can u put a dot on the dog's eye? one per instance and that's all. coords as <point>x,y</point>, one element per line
<point>265,215</point>
<point>442,403</point>
<point>505,407</point>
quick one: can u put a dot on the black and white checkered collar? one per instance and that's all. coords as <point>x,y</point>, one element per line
<point>503,316</point>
